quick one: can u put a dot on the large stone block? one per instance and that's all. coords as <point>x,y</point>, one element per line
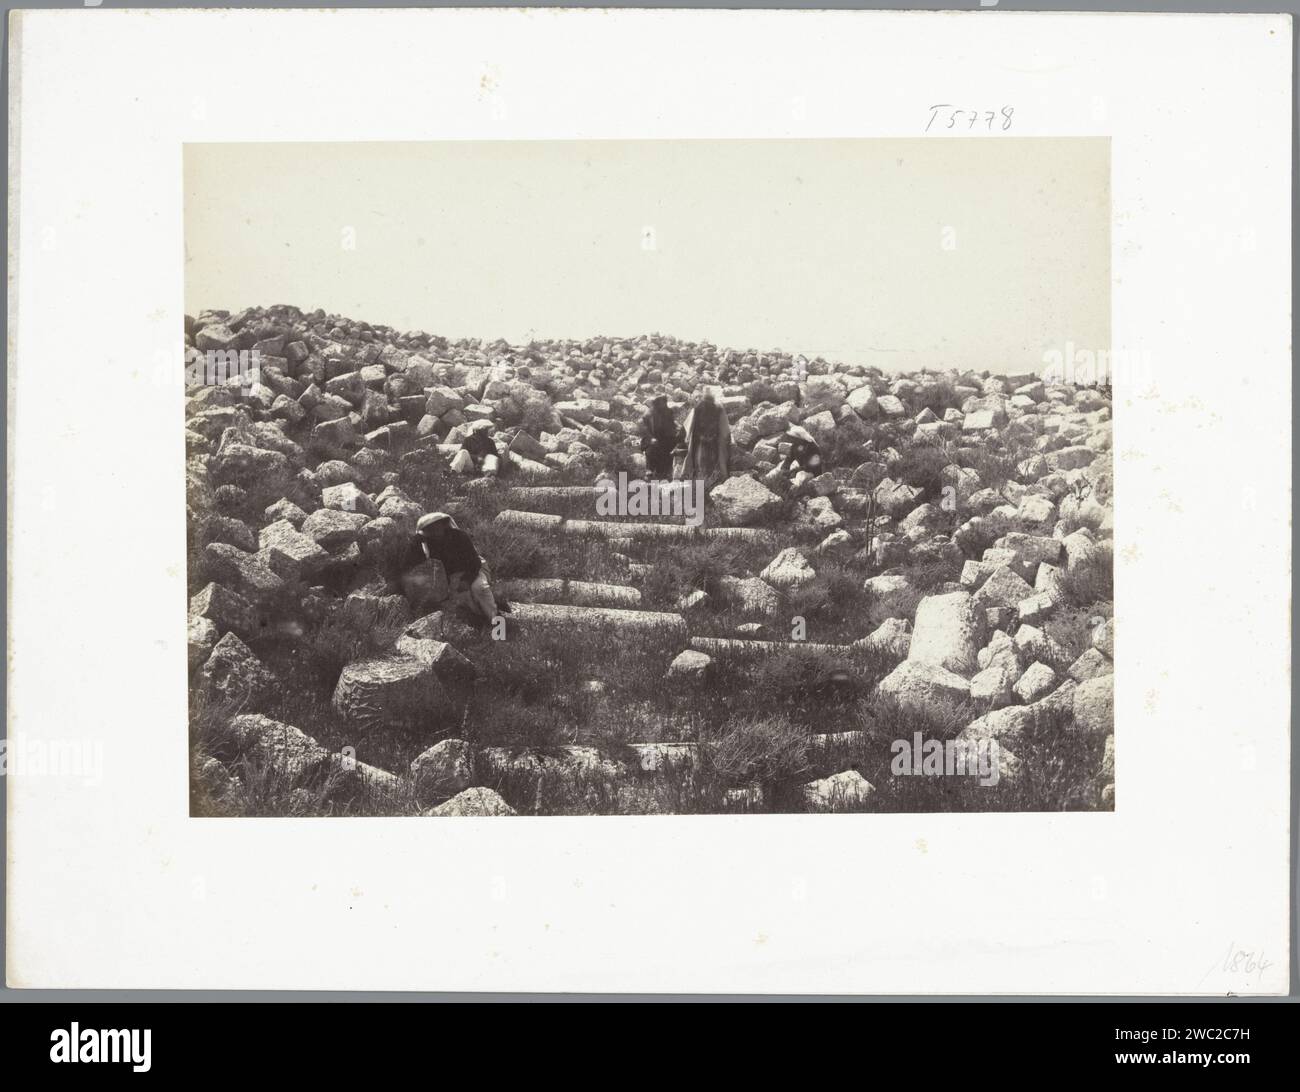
<point>948,632</point>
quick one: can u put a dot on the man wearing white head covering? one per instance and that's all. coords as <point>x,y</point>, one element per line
<point>438,538</point>
<point>804,452</point>
<point>478,452</point>
<point>708,440</point>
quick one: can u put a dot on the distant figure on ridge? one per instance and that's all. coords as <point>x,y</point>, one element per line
<point>708,441</point>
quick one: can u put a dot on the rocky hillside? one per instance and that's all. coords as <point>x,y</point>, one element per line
<point>948,574</point>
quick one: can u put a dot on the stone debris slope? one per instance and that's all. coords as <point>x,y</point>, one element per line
<point>954,552</point>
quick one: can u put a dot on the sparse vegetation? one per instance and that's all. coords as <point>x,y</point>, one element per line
<point>589,718</point>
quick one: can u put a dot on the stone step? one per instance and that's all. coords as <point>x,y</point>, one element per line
<point>730,646</point>
<point>578,593</point>
<point>610,529</point>
<point>630,621</point>
<point>540,494</point>
<point>648,757</point>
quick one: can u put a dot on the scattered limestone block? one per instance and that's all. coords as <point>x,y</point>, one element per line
<point>1033,644</point>
<point>693,601</point>
<point>1006,725</point>
<point>742,501</point>
<point>444,770</point>
<point>823,392</point>
<point>365,612</point>
<point>332,529</point>
<point>690,665</point>
<point>836,544</point>
<point>789,569</point>
<point>1036,511</point>
<point>892,637</point>
<point>1050,581</point>
<point>336,434</point>
<point>285,509</point>
<point>923,686</point>
<point>1079,550</point>
<point>1037,682</point>
<point>992,687</point>
<point>1103,638</point>
<point>1070,458</point>
<point>656,757</point>
<point>1094,705</point>
<point>974,573</point>
<point>527,447</point>
<point>947,633</point>
<point>842,792</point>
<point>1090,665</point>
<point>287,750</point>
<point>216,335</point>
<point>819,514</point>
<point>978,421</point>
<point>474,802</point>
<point>252,468</point>
<point>896,498</point>
<point>1036,609</point>
<point>1030,550</point>
<point>890,592</point>
<point>863,402</point>
<point>346,497</point>
<point>1004,588</point>
<point>751,594</point>
<point>448,664</point>
<point>232,532</point>
<point>284,537</point>
<point>227,610</point>
<point>201,638</point>
<point>387,689</point>
<point>234,677</point>
<point>241,571</point>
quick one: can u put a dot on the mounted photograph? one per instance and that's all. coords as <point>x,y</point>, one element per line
<point>533,478</point>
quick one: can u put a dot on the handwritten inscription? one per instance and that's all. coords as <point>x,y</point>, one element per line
<point>944,115</point>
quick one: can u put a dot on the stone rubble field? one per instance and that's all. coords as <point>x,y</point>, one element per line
<point>949,574</point>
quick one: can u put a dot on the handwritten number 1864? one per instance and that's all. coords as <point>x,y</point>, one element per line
<point>949,117</point>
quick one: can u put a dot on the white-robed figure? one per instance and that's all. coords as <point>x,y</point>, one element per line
<point>708,440</point>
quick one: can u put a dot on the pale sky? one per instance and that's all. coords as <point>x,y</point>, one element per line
<point>974,252</point>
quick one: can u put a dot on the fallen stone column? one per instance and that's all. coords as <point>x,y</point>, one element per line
<point>754,535</point>
<point>630,621</point>
<point>608,529</point>
<point>529,521</point>
<point>528,466</point>
<point>635,531</point>
<point>580,593</point>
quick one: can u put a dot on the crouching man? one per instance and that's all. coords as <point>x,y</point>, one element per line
<point>469,581</point>
<point>801,460</point>
<point>478,454</point>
